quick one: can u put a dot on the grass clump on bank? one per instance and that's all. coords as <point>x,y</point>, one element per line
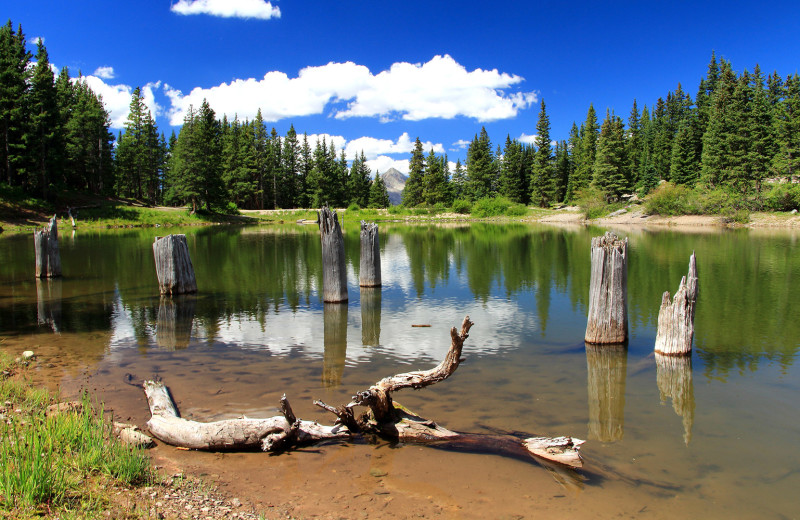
<point>58,462</point>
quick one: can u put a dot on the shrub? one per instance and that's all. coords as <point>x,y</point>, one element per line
<point>782,197</point>
<point>353,207</point>
<point>669,199</point>
<point>490,207</point>
<point>592,202</point>
<point>516,210</point>
<point>461,206</point>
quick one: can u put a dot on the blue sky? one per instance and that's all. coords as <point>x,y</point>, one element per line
<point>376,75</point>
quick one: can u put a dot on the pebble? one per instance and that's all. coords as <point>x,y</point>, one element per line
<point>28,354</point>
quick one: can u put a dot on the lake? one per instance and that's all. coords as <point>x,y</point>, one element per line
<point>717,436</point>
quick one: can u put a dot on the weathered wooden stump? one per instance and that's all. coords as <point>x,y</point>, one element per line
<point>48,258</point>
<point>370,272</point>
<point>608,291</point>
<point>173,265</point>
<point>174,321</point>
<point>335,341</point>
<point>334,271</point>
<point>674,379</point>
<point>371,316</point>
<point>607,369</point>
<point>48,303</point>
<point>676,317</point>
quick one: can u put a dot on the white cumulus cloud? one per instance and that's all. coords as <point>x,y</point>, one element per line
<point>440,88</point>
<point>228,8</point>
<point>527,139</point>
<point>373,147</point>
<point>384,162</point>
<point>36,39</point>
<point>117,98</point>
<point>104,72</point>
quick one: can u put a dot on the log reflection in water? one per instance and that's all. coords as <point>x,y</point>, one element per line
<point>674,380</point>
<point>371,316</point>
<point>607,370</point>
<point>174,322</point>
<point>48,302</point>
<point>335,332</point>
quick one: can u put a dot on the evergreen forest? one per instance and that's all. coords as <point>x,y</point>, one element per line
<point>736,143</point>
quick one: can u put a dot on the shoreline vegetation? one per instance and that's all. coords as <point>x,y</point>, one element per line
<point>668,205</point>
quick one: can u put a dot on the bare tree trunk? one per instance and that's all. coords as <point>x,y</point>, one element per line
<point>334,271</point>
<point>608,291</point>
<point>173,265</point>
<point>370,272</point>
<point>676,317</point>
<point>48,258</point>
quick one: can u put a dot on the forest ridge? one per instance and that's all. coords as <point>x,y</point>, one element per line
<point>739,131</point>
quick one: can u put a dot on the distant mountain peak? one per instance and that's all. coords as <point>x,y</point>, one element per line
<point>395,182</point>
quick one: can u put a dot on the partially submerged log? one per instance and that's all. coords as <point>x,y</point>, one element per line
<point>676,317</point>
<point>48,258</point>
<point>385,418</point>
<point>334,270</point>
<point>608,291</point>
<point>173,265</point>
<point>370,266</point>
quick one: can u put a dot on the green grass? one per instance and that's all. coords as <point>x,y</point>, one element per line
<point>52,462</point>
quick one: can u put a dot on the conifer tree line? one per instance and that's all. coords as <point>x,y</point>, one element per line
<point>738,131</point>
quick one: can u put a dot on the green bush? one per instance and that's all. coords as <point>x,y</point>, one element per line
<point>717,201</point>
<point>353,207</point>
<point>669,199</point>
<point>592,202</point>
<point>461,206</point>
<point>516,210</point>
<point>490,207</point>
<point>782,197</point>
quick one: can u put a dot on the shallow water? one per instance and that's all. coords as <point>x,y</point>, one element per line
<point>717,436</point>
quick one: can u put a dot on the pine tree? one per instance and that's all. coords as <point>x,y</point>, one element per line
<point>43,141</point>
<point>584,167</point>
<point>511,172</point>
<point>574,148</point>
<point>436,187</point>
<point>291,170</point>
<point>459,181</point>
<point>413,190</point>
<point>633,143</point>
<point>306,164</point>
<point>378,194</point>
<point>14,77</point>
<point>684,164</point>
<point>358,184</point>
<point>562,168</point>
<point>542,175</point>
<point>481,173</point>
<point>786,161</point>
<point>610,174</point>
<point>761,143</point>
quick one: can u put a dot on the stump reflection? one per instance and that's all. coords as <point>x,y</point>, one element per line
<point>174,321</point>
<point>48,302</point>
<point>607,369</point>
<point>674,378</point>
<point>335,332</point>
<point>371,316</point>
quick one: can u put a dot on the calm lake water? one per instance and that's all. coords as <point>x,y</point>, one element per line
<point>715,437</point>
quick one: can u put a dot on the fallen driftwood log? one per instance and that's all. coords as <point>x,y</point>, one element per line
<point>384,417</point>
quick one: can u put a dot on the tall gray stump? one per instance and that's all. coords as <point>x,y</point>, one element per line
<point>334,273</point>
<point>335,342</point>
<point>607,367</point>
<point>48,259</point>
<point>674,379</point>
<point>676,317</point>
<point>173,265</point>
<point>608,291</point>
<point>370,272</point>
<point>371,316</point>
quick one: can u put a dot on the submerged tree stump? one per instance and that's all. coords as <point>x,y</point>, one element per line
<point>174,321</point>
<point>676,317</point>
<point>371,316</point>
<point>334,317</point>
<point>674,379</point>
<point>607,369</point>
<point>608,291</point>
<point>173,265</point>
<point>48,258</point>
<point>370,273</point>
<point>334,271</point>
